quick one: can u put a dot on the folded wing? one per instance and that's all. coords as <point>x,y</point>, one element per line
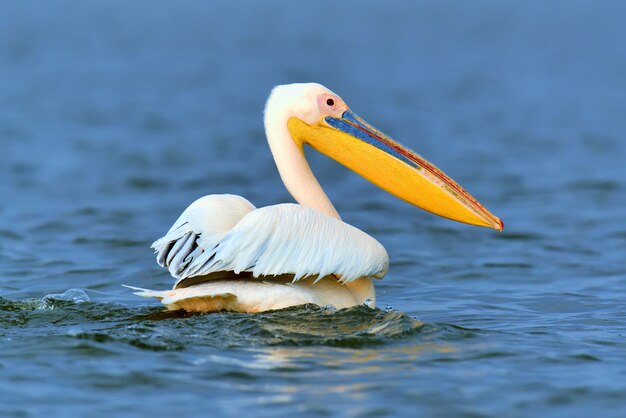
<point>225,236</point>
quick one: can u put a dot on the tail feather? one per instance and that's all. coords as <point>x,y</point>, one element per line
<point>147,293</point>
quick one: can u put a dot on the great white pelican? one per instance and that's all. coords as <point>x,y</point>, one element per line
<point>225,254</point>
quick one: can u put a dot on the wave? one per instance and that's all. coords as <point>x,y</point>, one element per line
<point>72,315</point>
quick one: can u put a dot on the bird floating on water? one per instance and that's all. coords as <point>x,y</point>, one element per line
<point>225,254</point>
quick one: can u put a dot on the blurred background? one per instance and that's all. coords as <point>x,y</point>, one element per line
<point>114,116</point>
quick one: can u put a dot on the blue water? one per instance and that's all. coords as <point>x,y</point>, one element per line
<point>114,116</point>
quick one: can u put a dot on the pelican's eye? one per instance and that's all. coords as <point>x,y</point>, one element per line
<point>330,102</point>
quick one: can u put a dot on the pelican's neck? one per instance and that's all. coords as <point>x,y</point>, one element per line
<point>293,167</point>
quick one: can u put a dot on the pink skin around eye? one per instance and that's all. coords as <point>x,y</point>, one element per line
<point>335,109</point>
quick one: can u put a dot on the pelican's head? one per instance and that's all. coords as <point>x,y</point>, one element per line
<point>320,118</point>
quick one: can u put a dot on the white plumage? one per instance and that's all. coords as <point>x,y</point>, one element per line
<point>225,233</point>
<point>266,258</point>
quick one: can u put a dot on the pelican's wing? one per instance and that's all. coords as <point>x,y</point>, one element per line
<point>288,239</point>
<point>199,228</point>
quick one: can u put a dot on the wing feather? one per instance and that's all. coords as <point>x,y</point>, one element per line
<point>271,241</point>
<point>200,227</point>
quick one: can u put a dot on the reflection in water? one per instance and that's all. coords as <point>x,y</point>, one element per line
<point>361,361</point>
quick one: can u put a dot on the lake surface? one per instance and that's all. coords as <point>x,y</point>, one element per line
<point>115,116</point>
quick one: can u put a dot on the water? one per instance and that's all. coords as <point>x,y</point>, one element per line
<point>115,116</point>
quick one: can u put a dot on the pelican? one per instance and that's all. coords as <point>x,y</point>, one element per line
<point>227,255</point>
